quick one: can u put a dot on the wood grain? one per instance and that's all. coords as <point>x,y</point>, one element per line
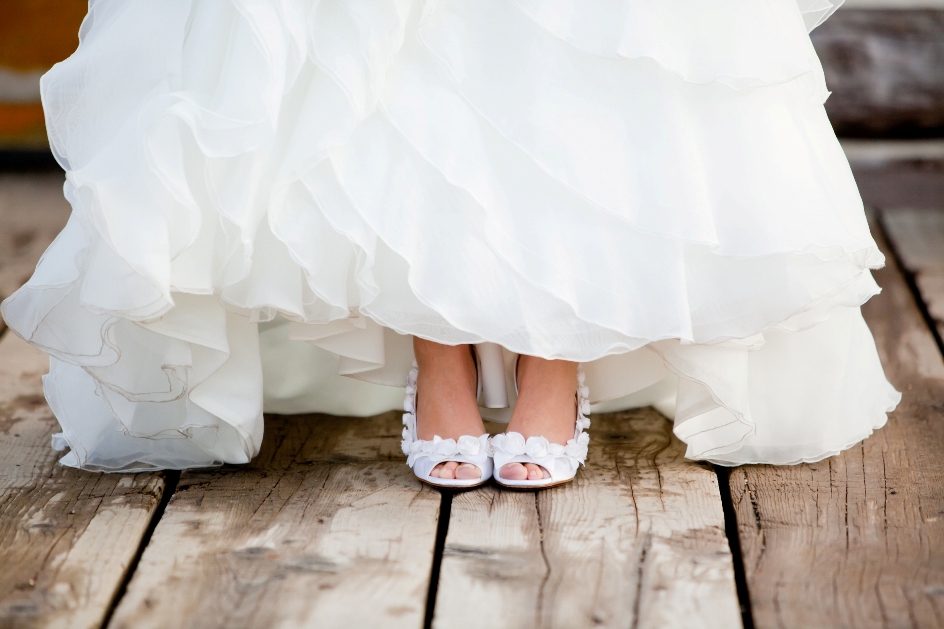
<point>637,540</point>
<point>918,238</point>
<point>66,537</point>
<point>327,527</point>
<point>857,540</point>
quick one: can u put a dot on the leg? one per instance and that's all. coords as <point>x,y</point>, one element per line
<point>546,406</point>
<point>445,397</point>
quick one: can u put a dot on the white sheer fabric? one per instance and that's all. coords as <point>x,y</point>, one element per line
<point>268,196</point>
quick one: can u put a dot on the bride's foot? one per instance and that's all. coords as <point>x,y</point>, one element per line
<point>446,404</point>
<point>546,407</point>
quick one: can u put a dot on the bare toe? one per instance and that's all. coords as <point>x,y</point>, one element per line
<point>436,470</point>
<point>514,471</point>
<point>467,471</point>
<point>535,472</point>
<point>448,470</point>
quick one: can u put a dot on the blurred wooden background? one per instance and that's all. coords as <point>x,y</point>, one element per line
<point>884,62</point>
<point>34,34</point>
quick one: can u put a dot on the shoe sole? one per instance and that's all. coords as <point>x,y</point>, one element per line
<point>453,487</point>
<point>533,487</point>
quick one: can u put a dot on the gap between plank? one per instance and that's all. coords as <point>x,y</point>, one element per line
<point>910,280</point>
<point>442,528</point>
<point>171,478</point>
<point>734,542</point>
<point>539,611</point>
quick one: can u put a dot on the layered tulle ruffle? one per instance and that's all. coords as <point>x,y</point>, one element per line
<point>269,196</point>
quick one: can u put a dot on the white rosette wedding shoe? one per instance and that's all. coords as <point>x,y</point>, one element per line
<point>561,461</point>
<point>423,456</point>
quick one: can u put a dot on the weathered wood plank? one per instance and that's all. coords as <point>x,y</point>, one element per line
<point>918,239</point>
<point>637,540</point>
<point>66,537</point>
<point>492,569</point>
<point>32,212</point>
<point>326,528</point>
<point>857,540</point>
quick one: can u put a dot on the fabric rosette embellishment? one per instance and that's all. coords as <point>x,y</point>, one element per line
<point>541,452</point>
<point>439,449</point>
<point>409,416</point>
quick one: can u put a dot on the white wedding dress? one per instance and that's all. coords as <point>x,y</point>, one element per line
<point>270,196</point>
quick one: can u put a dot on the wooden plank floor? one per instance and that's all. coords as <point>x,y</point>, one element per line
<point>636,541</point>
<point>328,528</point>
<point>66,537</point>
<point>325,528</point>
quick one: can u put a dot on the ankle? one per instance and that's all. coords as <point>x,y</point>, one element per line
<point>546,403</point>
<point>446,392</point>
